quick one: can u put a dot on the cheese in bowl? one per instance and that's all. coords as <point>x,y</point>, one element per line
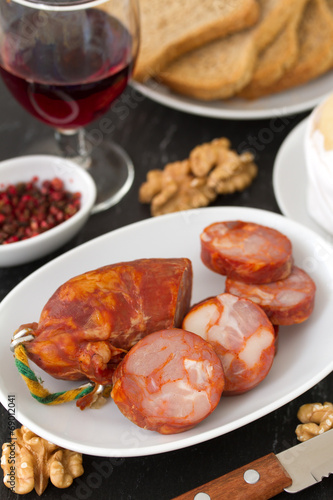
<point>319,163</point>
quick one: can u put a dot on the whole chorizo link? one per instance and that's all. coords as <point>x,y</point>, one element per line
<point>92,320</point>
<point>169,381</point>
<point>241,335</point>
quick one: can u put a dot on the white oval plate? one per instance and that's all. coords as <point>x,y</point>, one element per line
<point>291,101</point>
<point>303,359</point>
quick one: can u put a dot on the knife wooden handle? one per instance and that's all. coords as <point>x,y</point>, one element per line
<point>267,475</point>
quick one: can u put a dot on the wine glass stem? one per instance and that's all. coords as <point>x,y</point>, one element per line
<point>72,144</point>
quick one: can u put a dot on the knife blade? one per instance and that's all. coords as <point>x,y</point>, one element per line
<point>291,470</point>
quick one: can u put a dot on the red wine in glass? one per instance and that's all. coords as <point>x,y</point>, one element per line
<point>65,95</point>
<point>65,62</point>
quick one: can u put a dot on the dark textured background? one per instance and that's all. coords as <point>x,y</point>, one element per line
<point>154,135</point>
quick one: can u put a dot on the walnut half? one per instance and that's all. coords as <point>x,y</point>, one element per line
<point>29,461</point>
<point>316,418</point>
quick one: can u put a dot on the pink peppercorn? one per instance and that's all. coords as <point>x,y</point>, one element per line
<point>27,210</point>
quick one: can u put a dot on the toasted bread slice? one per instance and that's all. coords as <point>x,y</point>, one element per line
<point>170,29</point>
<point>274,16</point>
<point>278,57</point>
<point>316,49</point>
<point>211,72</point>
<point>221,68</point>
<point>330,5</point>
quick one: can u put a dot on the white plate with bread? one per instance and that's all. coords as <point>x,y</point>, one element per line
<point>285,103</point>
<point>243,59</point>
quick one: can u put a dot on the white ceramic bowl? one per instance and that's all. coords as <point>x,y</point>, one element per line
<point>46,167</point>
<point>319,164</point>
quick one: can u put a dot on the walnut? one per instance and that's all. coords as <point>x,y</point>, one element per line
<point>211,169</point>
<point>316,419</point>
<point>235,174</point>
<point>28,462</point>
<point>206,156</point>
<point>64,466</point>
<point>181,190</point>
<point>152,186</point>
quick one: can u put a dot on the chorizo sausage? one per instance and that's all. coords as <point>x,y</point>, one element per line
<point>93,319</point>
<point>241,335</point>
<point>246,251</point>
<point>276,333</point>
<point>168,382</point>
<point>285,302</point>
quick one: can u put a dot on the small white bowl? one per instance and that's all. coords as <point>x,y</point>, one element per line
<point>319,164</point>
<point>46,167</point>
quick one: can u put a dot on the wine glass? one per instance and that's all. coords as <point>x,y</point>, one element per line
<point>66,61</point>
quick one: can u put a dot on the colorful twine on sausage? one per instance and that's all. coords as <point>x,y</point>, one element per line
<point>36,388</point>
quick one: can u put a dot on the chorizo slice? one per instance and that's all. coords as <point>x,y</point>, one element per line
<point>92,320</point>
<point>276,333</point>
<point>168,382</point>
<point>285,302</point>
<point>241,335</point>
<point>246,251</point>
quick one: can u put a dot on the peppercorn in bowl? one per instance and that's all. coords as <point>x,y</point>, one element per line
<point>44,201</point>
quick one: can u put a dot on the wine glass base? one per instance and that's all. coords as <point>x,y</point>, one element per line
<point>110,167</point>
<point>113,173</point>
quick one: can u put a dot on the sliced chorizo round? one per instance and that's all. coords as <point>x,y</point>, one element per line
<point>241,335</point>
<point>169,381</point>
<point>246,251</point>
<point>285,302</point>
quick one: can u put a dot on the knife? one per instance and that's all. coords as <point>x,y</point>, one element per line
<point>291,470</point>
